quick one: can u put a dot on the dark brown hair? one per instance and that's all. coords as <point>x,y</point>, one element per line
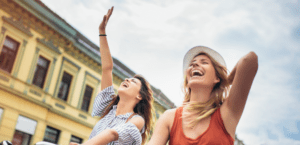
<point>143,108</point>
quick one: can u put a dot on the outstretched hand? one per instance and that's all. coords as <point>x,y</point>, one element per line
<point>105,20</point>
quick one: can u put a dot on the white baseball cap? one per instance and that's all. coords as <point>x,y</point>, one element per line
<point>199,49</point>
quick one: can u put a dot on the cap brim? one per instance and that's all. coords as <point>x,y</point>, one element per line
<point>199,49</point>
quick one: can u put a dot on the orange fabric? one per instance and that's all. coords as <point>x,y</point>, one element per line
<point>216,134</point>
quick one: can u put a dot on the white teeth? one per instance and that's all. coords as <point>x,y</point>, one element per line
<point>201,73</point>
<point>197,73</point>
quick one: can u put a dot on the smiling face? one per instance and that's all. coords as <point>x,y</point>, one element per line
<point>201,73</point>
<point>130,88</point>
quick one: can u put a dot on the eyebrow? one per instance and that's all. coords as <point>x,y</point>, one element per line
<point>202,59</point>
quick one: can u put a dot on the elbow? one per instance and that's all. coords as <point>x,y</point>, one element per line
<point>251,61</point>
<point>107,68</point>
<point>114,134</point>
<point>254,60</point>
<point>253,56</point>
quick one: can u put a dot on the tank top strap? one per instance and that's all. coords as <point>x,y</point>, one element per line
<point>217,121</point>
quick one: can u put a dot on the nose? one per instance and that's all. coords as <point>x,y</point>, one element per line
<point>195,64</point>
<point>127,80</point>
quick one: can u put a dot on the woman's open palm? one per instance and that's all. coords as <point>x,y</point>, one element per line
<point>105,20</point>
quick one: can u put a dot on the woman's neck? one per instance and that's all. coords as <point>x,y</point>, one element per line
<point>200,94</point>
<point>124,107</point>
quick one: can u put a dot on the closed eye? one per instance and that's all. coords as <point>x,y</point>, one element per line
<point>133,81</point>
<point>204,61</point>
<point>192,63</point>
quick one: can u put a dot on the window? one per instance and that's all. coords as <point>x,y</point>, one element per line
<point>21,138</point>
<point>88,93</point>
<point>76,139</point>
<point>25,128</point>
<point>51,135</point>
<point>40,72</point>
<point>87,98</point>
<point>8,54</point>
<point>65,86</point>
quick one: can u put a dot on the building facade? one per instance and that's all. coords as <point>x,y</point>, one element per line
<point>49,76</point>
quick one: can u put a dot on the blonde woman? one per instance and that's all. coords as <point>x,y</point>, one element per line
<point>126,118</point>
<point>210,112</point>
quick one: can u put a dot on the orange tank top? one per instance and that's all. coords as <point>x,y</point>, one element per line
<point>216,134</point>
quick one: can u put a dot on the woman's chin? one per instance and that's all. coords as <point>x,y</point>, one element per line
<point>196,84</point>
<point>123,92</point>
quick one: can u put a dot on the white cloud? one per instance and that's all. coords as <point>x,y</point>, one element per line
<point>151,38</point>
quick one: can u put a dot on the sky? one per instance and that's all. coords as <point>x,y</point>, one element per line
<point>151,37</point>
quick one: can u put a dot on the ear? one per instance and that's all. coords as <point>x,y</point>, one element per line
<point>139,97</point>
<point>217,80</point>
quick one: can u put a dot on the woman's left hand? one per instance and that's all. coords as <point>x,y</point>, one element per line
<point>103,24</point>
<point>73,143</point>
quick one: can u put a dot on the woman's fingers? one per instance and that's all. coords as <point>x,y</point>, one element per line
<point>106,18</point>
<point>109,13</point>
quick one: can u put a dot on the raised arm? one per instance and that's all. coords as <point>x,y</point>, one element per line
<point>106,89</point>
<point>106,59</point>
<point>241,79</point>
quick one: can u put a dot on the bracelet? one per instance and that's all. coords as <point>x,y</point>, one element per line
<point>102,35</point>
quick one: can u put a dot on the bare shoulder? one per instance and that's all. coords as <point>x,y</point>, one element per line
<point>168,117</point>
<point>139,122</point>
<point>169,114</point>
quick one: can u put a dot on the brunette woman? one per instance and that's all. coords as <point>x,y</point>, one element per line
<point>126,117</point>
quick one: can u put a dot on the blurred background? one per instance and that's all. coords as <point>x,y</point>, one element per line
<point>50,65</point>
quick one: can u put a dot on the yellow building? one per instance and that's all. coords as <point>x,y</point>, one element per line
<point>49,75</point>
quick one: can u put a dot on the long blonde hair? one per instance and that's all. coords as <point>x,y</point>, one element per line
<point>218,94</point>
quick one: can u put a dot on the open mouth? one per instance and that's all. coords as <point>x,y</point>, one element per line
<point>126,85</point>
<point>197,73</point>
